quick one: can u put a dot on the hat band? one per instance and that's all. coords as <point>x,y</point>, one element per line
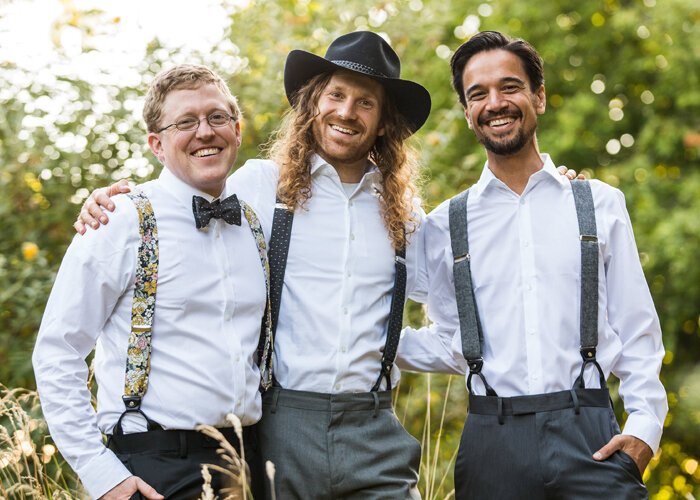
<point>359,67</point>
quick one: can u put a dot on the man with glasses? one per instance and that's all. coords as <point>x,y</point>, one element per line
<point>165,362</point>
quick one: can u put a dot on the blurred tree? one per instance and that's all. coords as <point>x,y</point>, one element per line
<point>623,97</point>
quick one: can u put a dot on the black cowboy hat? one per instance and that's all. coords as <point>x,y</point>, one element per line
<point>366,53</point>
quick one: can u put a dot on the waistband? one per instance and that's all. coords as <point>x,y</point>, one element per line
<point>176,440</point>
<point>321,401</point>
<point>524,405</point>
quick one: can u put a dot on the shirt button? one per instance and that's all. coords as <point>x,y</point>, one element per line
<point>351,203</point>
<point>238,357</point>
<point>345,310</point>
<point>522,201</point>
<point>227,317</point>
<point>352,236</point>
<point>531,332</point>
<point>526,243</point>
<point>529,287</point>
<point>239,403</point>
<point>348,274</point>
<point>343,349</point>
<point>337,387</point>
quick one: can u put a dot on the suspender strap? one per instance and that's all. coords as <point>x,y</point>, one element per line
<point>265,345</point>
<point>279,249</point>
<point>138,361</point>
<point>393,332</point>
<point>588,234</point>
<point>469,324</point>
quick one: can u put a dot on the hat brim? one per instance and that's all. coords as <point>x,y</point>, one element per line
<point>412,99</point>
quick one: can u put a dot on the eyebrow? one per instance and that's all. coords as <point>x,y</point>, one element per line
<point>507,79</point>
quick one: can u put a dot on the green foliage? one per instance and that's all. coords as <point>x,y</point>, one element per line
<point>623,95</point>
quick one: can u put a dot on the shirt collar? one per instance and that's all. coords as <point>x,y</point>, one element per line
<point>372,175</point>
<point>182,191</point>
<point>548,171</point>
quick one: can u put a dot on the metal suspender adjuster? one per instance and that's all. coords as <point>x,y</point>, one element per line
<point>400,260</point>
<point>588,237</point>
<point>462,257</point>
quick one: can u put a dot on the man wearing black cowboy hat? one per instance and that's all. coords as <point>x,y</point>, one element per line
<point>341,176</point>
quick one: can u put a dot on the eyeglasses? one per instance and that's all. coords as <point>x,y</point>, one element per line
<point>190,123</point>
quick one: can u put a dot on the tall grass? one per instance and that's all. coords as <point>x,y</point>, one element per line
<point>30,467</point>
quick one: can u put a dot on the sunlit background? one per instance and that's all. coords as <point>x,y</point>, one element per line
<point>623,105</point>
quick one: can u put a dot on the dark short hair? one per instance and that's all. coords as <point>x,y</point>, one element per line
<point>492,40</point>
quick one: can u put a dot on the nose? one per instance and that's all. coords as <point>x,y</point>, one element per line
<point>204,130</point>
<point>346,110</point>
<point>495,101</point>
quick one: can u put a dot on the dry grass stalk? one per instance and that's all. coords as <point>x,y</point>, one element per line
<point>235,470</point>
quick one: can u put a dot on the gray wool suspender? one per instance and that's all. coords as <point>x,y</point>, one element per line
<point>470,326</point>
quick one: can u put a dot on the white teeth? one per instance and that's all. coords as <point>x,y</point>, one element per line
<point>343,130</point>
<point>501,121</point>
<point>206,152</point>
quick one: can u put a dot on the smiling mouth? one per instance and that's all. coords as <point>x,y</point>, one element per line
<point>200,153</point>
<point>344,130</point>
<point>498,122</point>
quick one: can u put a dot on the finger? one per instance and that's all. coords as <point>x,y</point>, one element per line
<point>147,490</point>
<point>119,187</point>
<point>562,169</point>
<point>571,174</point>
<point>79,227</point>
<point>86,218</point>
<point>102,198</point>
<point>611,447</point>
<point>581,176</point>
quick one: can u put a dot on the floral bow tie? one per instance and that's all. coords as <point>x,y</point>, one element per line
<point>229,210</point>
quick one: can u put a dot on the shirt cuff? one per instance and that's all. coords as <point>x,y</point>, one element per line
<point>645,428</point>
<point>102,473</point>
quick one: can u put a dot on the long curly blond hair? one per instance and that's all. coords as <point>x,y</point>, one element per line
<point>293,144</point>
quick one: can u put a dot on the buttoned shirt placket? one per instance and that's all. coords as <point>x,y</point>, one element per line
<point>529,293</point>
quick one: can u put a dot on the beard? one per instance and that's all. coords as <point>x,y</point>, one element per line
<point>509,146</point>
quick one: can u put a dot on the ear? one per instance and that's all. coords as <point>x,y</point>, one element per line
<point>380,130</point>
<point>540,100</point>
<point>466,115</point>
<point>156,146</point>
<point>238,134</point>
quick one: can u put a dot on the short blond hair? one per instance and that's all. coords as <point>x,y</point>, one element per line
<point>182,76</point>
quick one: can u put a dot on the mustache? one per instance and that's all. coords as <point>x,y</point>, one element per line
<point>492,115</point>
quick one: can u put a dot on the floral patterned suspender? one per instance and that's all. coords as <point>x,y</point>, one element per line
<point>265,361</point>
<point>138,362</point>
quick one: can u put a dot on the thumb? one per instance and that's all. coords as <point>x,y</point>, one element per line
<point>611,447</point>
<point>147,490</point>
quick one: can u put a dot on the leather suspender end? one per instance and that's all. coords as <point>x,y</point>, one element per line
<point>132,403</point>
<point>588,353</point>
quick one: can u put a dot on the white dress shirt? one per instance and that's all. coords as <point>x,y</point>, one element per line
<point>339,279</point>
<point>209,303</point>
<point>525,262</point>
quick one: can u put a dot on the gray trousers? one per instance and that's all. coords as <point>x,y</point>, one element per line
<point>337,446</point>
<point>543,449</point>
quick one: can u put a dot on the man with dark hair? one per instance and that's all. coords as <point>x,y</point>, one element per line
<point>165,362</point>
<point>502,261</point>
